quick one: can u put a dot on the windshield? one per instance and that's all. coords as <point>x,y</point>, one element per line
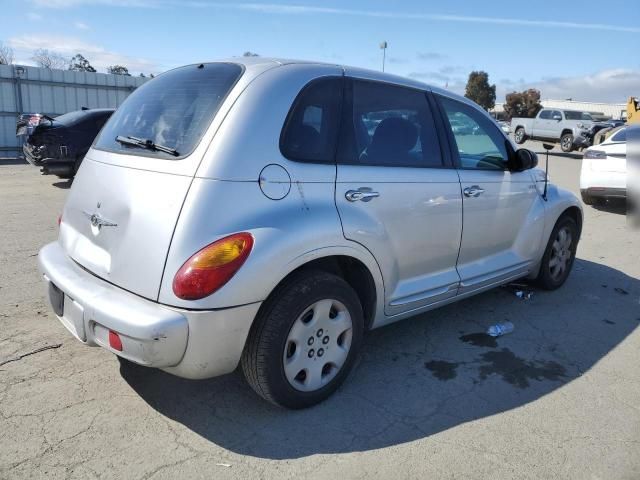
<point>173,110</point>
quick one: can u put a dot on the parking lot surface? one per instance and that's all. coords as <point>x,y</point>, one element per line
<point>557,398</point>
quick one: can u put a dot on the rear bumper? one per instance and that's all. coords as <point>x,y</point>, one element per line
<point>604,192</point>
<point>189,344</point>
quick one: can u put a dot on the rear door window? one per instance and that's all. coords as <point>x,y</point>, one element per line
<point>545,115</point>
<point>311,128</point>
<point>388,126</point>
<point>173,110</point>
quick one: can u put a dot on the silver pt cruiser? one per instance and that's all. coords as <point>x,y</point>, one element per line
<point>268,212</point>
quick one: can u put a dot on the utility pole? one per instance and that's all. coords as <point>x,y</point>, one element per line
<point>383,46</point>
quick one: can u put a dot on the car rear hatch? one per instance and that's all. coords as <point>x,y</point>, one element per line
<point>615,161</point>
<point>121,212</point>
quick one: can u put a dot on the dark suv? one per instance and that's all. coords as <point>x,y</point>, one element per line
<point>59,144</point>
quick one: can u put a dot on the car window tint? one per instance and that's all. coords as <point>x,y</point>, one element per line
<point>311,127</point>
<point>174,109</point>
<point>545,114</point>
<point>620,136</point>
<point>390,126</point>
<point>479,143</point>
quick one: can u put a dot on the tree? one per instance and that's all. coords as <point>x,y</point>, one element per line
<point>118,70</point>
<point>523,104</point>
<point>6,54</point>
<point>479,90</point>
<point>250,54</point>
<point>81,64</point>
<point>46,59</point>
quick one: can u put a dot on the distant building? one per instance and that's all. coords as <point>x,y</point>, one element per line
<point>605,110</point>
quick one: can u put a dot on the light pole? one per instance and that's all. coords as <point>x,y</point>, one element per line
<point>383,46</point>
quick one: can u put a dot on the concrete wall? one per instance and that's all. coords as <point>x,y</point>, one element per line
<point>54,92</point>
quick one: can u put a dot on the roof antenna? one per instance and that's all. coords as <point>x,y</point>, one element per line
<point>547,147</point>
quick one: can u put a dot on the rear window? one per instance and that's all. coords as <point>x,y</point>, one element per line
<point>173,110</point>
<point>620,136</point>
<point>72,117</point>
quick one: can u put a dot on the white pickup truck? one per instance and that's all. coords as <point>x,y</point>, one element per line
<point>569,127</point>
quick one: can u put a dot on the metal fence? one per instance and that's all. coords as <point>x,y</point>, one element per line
<point>54,92</point>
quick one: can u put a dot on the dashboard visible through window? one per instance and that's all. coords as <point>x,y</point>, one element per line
<point>479,143</point>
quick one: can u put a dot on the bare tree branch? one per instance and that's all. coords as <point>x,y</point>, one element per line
<point>46,59</point>
<point>6,54</point>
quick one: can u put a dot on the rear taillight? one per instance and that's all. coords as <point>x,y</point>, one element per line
<point>59,219</point>
<point>213,266</point>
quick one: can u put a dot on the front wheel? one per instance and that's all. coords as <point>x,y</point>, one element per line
<point>304,341</point>
<point>566,142</point>
<point>519,137</point>
<point>559,255</point>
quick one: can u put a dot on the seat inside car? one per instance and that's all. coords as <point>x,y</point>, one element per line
<point>393,139</point>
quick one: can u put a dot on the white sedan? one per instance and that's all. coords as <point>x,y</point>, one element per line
<point>604,169</point>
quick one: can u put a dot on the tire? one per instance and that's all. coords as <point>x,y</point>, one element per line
<point>564,251</point>
<point>519,136</point>
<point>286,338</point>
<point>566,142</point>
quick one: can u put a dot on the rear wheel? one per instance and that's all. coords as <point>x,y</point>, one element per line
<point>559,255</point>
<point>304,341</point>
<point>519,137</point>
<point>566,142</point>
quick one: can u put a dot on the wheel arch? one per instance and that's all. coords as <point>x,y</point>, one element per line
<point>360,272</point>
<point>576,214</point>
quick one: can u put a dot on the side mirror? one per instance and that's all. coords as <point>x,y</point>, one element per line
<point>523,159</point>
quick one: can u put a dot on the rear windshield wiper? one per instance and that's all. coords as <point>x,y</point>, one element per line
<point>145,143</point>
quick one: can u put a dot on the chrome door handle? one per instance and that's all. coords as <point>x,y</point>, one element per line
<point>474,191</point>
<point>363,194</point>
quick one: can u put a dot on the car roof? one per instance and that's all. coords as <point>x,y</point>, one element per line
<point>260,63</point>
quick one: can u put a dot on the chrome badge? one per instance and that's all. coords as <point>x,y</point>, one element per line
<point>98,221</point>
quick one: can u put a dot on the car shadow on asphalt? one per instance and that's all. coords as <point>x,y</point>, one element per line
<point>63,184</point>
<point>612,205</point>
<point>420,376</point>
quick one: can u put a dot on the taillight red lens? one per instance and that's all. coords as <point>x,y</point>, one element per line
<point>213,266</point>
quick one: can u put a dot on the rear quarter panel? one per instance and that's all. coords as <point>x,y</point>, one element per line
<point>226,197</point>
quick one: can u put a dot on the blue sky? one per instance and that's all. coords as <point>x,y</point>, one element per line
<point>585,50</point>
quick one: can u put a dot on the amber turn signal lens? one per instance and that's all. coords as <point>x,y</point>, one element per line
<point>213,266</point>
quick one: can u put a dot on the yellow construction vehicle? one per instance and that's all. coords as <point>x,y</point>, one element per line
<point>633,110</point>
<point>633,117</point>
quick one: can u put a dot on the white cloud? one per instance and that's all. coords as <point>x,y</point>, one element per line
<point>81,26</point>
<point>289,9</point>
<point>97,55</point>
<point>80,3</point>
<point>278,8</point>
<point>613,86</point>
<point>35,17</point>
